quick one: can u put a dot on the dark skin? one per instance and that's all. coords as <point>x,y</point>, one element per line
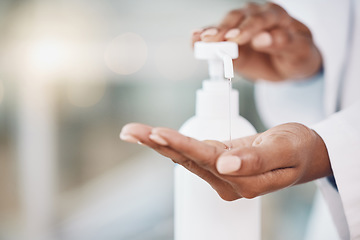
<point>272,46</point>
<point>283,156</point>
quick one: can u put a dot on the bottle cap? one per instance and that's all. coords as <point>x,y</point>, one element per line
<point>219,56</point>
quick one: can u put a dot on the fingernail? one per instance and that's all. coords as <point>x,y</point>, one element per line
<point>262,40</point>
<point>228,164</point>
<point>208,33</point>
<point>232,33</point>
<point>197,31</point>
<point>158,139</point>
<point>128,138</point>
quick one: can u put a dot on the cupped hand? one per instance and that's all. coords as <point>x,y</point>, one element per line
<point>283,156</point>
<point>272,45</point>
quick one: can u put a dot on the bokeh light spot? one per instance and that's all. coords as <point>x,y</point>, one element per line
<point>126,54</point>
<point>47,55</point>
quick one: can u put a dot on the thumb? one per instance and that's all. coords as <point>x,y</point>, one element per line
<point>257,159</point>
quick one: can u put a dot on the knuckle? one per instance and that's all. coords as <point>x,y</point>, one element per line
<point>251,5</point>
<point>188,164</point>
<point>281,38</point>
<point>249,194</point>
<point>275,8</point>
<point>301,59</point>
<point>207,163</point>
<point>256,19</point>
<point>230,18</point>
<point>305,134</point>
<point>228,197</point>
<point>235,12</point>
<point>246,190</point>
<point>210,160</point>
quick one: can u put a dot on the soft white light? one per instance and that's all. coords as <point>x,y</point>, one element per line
<point>47,56</point>
<point>126,54</point>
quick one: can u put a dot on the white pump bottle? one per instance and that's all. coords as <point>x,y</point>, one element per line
<point>200,214</point>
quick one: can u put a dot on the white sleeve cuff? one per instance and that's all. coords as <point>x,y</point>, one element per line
<point>341,134</point>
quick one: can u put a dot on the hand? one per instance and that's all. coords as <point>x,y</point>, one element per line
<point>272,45</point>
<point>283,156</point>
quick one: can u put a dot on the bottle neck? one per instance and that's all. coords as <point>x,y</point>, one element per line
<point>212,101</point>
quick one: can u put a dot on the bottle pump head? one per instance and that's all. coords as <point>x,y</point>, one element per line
<point>219,56</point>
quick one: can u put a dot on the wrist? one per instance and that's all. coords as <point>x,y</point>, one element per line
<point>320,158</point>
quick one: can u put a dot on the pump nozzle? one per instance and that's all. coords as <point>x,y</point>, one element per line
<point>228,67</point>
<point>219,56</point>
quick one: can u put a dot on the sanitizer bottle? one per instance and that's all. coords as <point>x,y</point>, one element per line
<point>200,213</point>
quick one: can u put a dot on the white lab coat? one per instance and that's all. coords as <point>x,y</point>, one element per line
<point>333,23</point>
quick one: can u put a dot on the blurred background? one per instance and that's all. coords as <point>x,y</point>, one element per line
<point>72,73</point>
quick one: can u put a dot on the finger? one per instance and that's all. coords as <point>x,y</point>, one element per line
<point>272,41</point>
<point>135,133</point>
<point>223,187</point>
<point>267,154</point>
<point>217,144</point>
<point>195,36</point>
<point>269,16</point>
<point>143,133</point>
<point>190,159</point>
<point>197,33</point>
<point>280,41</point>
<point>139,133</point>
<point>200,152</point>
<point>210,35</point>
<point>294,50</point>
<point>242,142</point>
<point>231,20</point>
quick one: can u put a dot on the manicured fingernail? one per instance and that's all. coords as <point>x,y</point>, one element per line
<point>208,33</point>
<point>128,138</point>
<point>228,164</point>
<point>262,40</point>
<point>158,139</point>
<point>232,33</point>
<point>197,31</point>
